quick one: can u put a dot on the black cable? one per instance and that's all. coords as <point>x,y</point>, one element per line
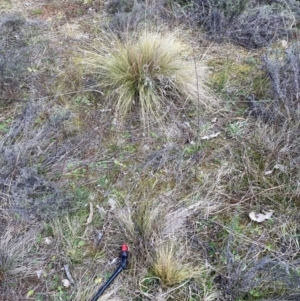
<point>120,268</point>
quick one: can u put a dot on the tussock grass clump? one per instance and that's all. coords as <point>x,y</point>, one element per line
<point>142,224</point>
<point>147,74</point>
<point>168,267</point>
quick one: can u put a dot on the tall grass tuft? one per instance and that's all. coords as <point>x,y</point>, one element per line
<point>147,75</point>
<point>169,268</point>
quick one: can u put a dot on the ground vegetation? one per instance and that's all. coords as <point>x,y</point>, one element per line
<point>189,154</point>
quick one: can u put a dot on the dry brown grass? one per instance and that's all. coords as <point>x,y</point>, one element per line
<point>17,246</point>
<point>179,196</point>
<point>169,267</point>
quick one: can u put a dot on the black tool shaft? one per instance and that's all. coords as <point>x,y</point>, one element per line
<point>120,268</point>
<point>107,283</point>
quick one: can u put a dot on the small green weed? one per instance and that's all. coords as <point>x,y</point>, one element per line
<point>36,12</point>
<point>4,126</point>
<point>232,79</point>
<point>70,230</point>
<point>235,129</point>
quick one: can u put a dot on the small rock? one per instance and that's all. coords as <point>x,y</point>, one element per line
<point>284,44</point>
<point>66,283</point>
<point>39,273</point>
<point>47,241</point>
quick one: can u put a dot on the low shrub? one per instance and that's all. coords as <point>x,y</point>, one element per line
<point>249,23</point>
<point>283,69</point>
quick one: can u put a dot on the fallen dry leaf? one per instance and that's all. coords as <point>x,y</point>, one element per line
<point>208,137</point>
<point>279,167</point>
<point>98,280</point>
<point>90,218</point>
<point>260,217</point>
